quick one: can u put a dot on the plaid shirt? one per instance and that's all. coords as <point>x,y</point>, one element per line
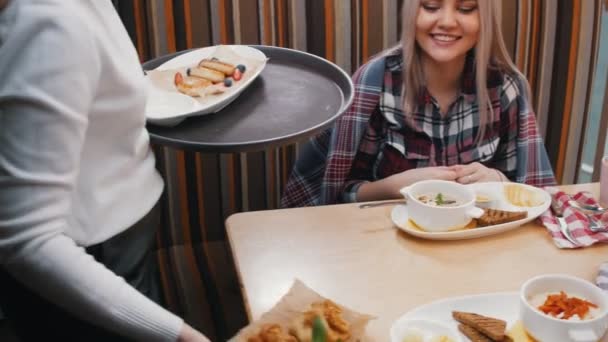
<point>373,139</point>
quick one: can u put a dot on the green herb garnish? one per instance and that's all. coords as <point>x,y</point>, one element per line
<point>439,199</point>
<point>319,334</point>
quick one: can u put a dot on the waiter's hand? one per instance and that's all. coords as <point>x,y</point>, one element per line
<point>189,334</point>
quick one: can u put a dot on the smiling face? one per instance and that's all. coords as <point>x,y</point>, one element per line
<point>447,29</point>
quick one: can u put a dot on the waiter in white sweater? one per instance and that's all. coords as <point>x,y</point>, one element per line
<point>78,185</point>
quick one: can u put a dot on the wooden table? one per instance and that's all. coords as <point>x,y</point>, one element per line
<point>357,258</point>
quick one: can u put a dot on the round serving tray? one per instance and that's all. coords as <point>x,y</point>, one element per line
<point>297,95</point>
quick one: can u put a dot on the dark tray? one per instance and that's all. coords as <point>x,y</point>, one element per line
<point>297,95</point>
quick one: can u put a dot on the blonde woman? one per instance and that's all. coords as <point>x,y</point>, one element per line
<point>447,103</point>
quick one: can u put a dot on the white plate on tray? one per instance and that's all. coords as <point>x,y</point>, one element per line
<point>399,214</point>
<point>166,106</point>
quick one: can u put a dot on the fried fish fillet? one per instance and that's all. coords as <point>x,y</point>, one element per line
<point>491,327</point>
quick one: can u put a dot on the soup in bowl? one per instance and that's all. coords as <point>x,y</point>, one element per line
<point>559,307</point>
<point>440,206</point>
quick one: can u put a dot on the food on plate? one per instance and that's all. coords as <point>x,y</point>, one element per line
<point>330,316</point>
<point>417,335</point>
<point>217,65</point>
<point>272,333</point>
<point>413,335</point>
<point>522,196</point>
<point>484,200</point>
<point>210,77</point>
<point>441,338</point>
<point>439,200</point>
<point>494,216</point>
<point>325,314</point>
<point>206,73</point>
<point>519,334</point>
<point>192,86</point>
<point>489,327</point>
<point>562,306</point>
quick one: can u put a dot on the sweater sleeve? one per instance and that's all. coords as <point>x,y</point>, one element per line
<point>50,69</point>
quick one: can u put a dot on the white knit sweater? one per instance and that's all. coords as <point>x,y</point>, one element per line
<point>75,162</point>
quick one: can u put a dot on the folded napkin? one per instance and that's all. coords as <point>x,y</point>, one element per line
<point>578,223</point>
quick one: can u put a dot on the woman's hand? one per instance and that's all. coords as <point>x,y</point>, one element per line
<point>424,173</point>
<point>389,187</point>
<point>476,172</point>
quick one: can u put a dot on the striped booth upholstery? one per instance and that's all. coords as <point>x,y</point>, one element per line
<point>203,189</point>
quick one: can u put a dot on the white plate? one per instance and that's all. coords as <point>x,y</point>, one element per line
<point>502,305</point>
<point>400,218</point>
<point>166,106</point>
<point>169,108</point>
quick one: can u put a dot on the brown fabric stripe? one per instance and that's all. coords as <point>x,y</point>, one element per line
<point>329,31</point>
<point>183,196</point>
<point>171,46</point>
<point>281,26</point>
<point>355,39</point>
<point>315,27</point>
<point>212,193</point>
<point>188,23</point>
<point>365,30</point>
<point>576,12</point>
<point>140,28</point>
<point>267,23</point>
<point>232,183</point>
<point>200,176</point>
<point>372,29</point>
<point>169,291</point>
<point>200,286</point>
<point>200,23</point>
<point>271,179</point>
<point>559,81</point>
<point>522,35</point>
<point>225,16</point>
<point>509,26</point>
<point>602,135</point>
<point>256,187</point>
<point>249,22</point>
<point>534,46</point>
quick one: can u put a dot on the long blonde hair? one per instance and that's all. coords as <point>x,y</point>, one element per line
<point>490,52</point>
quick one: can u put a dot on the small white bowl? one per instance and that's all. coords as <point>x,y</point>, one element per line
<point>544,327</point>
<point>441,218</point>
<point>401,327</point>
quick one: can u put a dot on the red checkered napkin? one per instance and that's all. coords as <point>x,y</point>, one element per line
<point>578,223</point>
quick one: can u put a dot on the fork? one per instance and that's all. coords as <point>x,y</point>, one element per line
<point>594,225</point>
<point>380,204</point>
<point>563,225</point>
<point>595,209</point>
